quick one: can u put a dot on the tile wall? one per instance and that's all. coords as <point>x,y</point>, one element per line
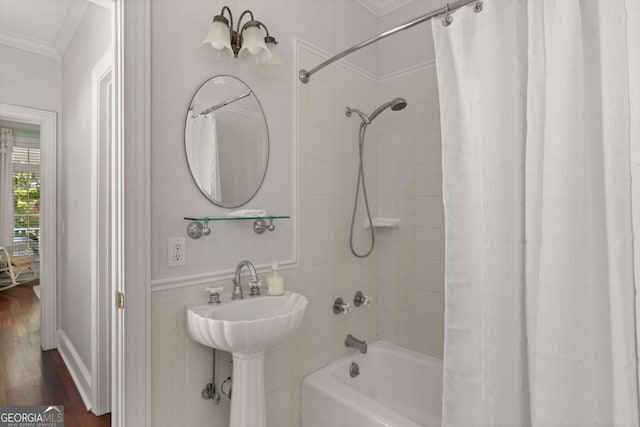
<point>411,258</point>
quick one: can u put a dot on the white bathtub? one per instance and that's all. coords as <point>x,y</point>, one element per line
<point>396,388</point>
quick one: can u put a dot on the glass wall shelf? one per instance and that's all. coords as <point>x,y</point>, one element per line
<point>199,227</point>
<point>224,218</point>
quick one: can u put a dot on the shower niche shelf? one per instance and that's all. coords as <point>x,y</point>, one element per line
<point>382,222</point>
<point>199,226</point>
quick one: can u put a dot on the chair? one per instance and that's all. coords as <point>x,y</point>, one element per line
<point>13,263</point>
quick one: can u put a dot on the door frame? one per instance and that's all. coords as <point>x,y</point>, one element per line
<point>130,234</point>
<point>102,112</point>
<point>47,120</point>
<point>131,218</point>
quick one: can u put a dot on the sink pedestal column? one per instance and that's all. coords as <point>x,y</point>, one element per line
<point>247,402</point>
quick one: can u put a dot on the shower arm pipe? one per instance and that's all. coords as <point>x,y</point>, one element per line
<point>225,103</point>
<point>305,75</point>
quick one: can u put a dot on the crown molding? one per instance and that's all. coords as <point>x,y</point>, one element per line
<point>108,4</point>
<point>58,47</point>
<point>407,70</point>
<point>28,44</point>
<point>380,10</point>
<point>69,26</point>
<point>301,43</point>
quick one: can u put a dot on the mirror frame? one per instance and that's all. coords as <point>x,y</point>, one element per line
<point>266,126</point>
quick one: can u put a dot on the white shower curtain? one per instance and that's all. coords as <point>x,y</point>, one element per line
<point>6,187</point>
<point>540,112</point>
<point>203,153</point>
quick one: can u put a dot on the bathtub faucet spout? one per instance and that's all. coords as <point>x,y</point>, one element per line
<point>354,342</point>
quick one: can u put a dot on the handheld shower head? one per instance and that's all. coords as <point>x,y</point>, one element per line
<point>396,105</point>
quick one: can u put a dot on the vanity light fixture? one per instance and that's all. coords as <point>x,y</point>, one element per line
<point>247,42</point>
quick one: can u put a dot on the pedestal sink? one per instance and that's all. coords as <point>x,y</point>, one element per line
<point>246,328</point>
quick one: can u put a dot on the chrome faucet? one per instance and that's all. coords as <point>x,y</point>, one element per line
<point>254,281</point>
<point>354,342</point>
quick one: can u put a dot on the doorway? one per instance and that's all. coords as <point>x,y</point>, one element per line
<point>46,123</point>
<point>130,372</point>
<point>32,370</point>
<point>75,269</point>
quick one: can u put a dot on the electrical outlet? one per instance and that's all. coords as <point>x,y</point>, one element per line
<point>177,252</point>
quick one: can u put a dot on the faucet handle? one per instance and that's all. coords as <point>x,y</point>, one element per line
<point>214,294</point>
<point>340,307</point>
<point>254,288</point>
<point>360,299</point>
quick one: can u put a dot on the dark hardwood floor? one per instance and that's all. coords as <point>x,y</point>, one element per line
<point>29,376</point>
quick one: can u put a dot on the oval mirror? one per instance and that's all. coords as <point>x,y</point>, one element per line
<point>226,141</point>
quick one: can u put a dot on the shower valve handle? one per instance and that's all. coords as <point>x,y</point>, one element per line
<point>339,307</point>
<point>360,299</point>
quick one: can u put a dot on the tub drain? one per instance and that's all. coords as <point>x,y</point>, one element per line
<point>354,370</point>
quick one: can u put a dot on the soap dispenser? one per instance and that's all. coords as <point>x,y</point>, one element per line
<point>275,282</point>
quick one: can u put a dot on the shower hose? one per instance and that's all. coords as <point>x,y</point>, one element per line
<point>361,180</point>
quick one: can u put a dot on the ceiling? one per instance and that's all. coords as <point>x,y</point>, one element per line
<point>382,7</point>
<point>40,26</point>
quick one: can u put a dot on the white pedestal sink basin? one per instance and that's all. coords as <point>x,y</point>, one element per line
<point>246,328</point>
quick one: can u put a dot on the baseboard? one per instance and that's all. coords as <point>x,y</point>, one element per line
<point>77,369</point>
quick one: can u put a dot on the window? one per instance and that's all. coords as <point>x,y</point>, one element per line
<point>26,194</point>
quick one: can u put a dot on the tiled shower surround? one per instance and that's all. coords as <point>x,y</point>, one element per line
<point>411,258</point>
<point>404,274</point>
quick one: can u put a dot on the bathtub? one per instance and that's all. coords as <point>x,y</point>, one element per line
<point>396,388</point>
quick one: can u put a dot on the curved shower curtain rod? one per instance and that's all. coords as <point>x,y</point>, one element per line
<point>223,103</point>
<point>305,75</point>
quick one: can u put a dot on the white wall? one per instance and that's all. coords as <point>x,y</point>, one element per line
<point>410,47</point>
<point>180,367</point>
<point>179,65</point>
<point>89,43</point>
<point>30,80</point>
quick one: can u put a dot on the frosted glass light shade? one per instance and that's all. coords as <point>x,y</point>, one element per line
<point>219,37</point>
<point>254,49</point>
<point>272,67</point>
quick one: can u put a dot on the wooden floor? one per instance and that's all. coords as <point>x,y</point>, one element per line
<point>29,376</point>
